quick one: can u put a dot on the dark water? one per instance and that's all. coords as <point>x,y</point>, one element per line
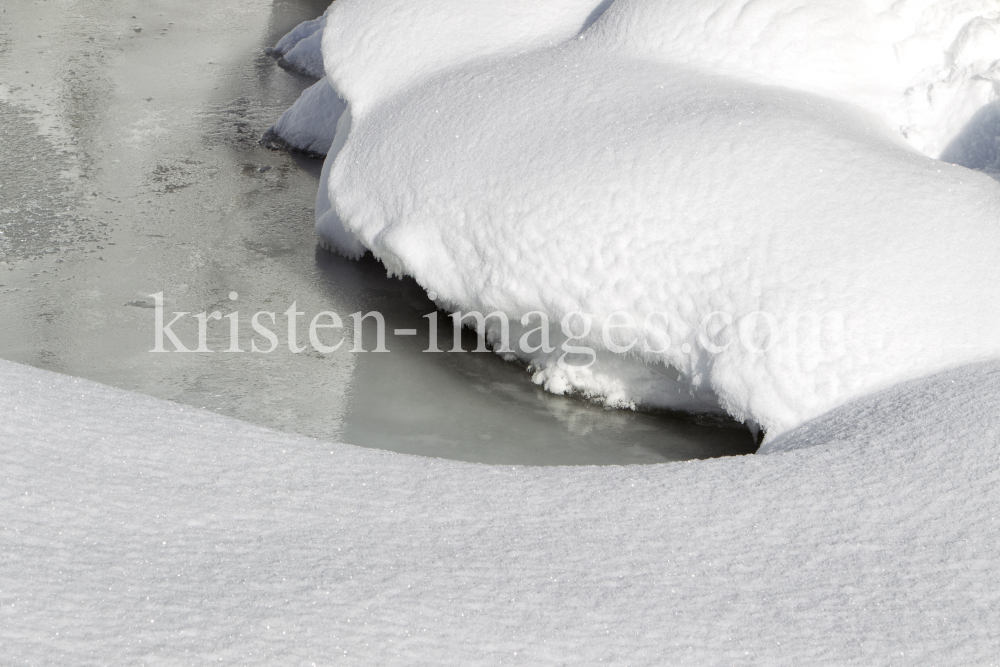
<point>130,166</point>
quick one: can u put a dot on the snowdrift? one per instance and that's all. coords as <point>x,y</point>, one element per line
<point>141,531</point>
<point>750,186</point>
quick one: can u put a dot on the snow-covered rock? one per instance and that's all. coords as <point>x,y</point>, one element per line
<point>375,48</point>
<point>734,167</point>
<point>310,124</point>
<point>393,51</point>
<point>300,48</point>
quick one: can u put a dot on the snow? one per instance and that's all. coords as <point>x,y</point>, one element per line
<point>374,48</point>
<point>496,28</point>
<point>329,227</point>
<point>300,48</point>
<point>924,66</point>
<point>139,531</point>
<point>506,163</point>
<point>310,124</point>
<point>632,169</point>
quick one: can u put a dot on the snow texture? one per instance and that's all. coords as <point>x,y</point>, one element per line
<point>924,66</point>
<point>329,227</point>
<point>694,160</point>
<point>137,531</point>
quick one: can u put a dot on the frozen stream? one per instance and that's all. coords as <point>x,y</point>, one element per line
<point>130,166</point>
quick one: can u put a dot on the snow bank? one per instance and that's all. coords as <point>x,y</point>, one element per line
<point>138,531</point>
<point>646,169</point>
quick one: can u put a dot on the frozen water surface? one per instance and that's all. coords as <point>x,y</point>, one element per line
<point>130,166</point>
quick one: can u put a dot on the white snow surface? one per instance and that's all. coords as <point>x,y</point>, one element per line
<point>137,531</point>
<point>374,48</point>
<point>329,227</point>
<point>924,66</point>
<point>697,160</point>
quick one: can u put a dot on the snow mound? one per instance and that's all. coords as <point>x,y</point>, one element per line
<point>299,50</point>
<point>924,66</point>
<point>186,537</point>
<point>978,144</point>
<point>455,31</point>
<point>331,230</point>
<point>801,252</point>
<point>374,48</point>
<point>957,410</point>
<point>310,124</point>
